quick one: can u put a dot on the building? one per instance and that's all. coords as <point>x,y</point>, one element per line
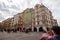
<point>27,18</point>
<point>0,25</point>
<point>11,22</point>
<point>36,18</point>
<point>6,24</point>
<point>15,21</point>
<point>55,22</point>
<point>18,21</point>
<point>3,24</point>
<point>41,17</point>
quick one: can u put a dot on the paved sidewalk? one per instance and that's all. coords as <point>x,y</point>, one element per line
<point>19,36</point>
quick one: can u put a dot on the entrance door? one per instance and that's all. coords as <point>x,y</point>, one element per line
<point>35,29</point>
<point>40,29</point>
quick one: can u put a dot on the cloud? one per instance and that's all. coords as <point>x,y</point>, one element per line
<point>3,7</point>
<point>1,17</point>
<point>14,7</point>
<point>8,8</point>
<point>9,0</point>
<point>54,6</point>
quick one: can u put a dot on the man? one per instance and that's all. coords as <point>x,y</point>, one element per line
<point>56,32</point>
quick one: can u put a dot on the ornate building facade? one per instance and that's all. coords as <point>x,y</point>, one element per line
<point>33,18</point>
<point>41,17</point>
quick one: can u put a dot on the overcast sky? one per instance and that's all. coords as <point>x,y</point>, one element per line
<point>8,8</point>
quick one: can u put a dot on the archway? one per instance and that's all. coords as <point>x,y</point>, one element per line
<point>47,28</point>
<point>19,28</point>
<point>40,29</point>
<point>30,29</point>
<point>23,29</point>
<point>35,29</point>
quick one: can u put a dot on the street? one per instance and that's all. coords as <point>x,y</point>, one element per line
<point>20,36</point>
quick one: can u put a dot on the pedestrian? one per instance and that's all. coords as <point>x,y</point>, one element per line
<point>47,35</point>
<point>56,32</point>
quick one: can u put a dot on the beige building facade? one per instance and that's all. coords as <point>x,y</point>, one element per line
<point>18,21</point>
<point>35,18</point>
<point>55,22</point>
<point>41,17</point>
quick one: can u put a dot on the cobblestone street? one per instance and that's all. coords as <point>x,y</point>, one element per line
<point>20,36</point>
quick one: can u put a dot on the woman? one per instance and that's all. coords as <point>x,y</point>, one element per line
<point>47,35</point>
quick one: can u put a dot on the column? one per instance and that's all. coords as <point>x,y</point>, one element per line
<point>32,29</point>
<point>37,29</point>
